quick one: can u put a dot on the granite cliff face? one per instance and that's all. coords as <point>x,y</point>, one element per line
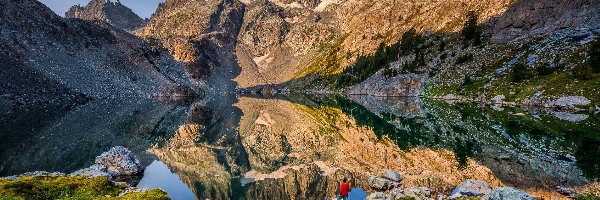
<point>113,13</point>
<point>272,42</point>
<point>201,35</point>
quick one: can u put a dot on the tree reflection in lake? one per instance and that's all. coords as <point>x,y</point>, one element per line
<point>300,147</point>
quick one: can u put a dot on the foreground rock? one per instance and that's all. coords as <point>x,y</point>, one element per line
<point>392,175</point>
<point>471,188</point>
<point>509,193</point>
<point>419,193</point>
<point>381,183</point>
<point>117,162</point>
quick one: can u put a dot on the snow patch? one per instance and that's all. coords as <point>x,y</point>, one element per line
<point>263,61</point>
<point>324,5</point>
<point>290,5</point>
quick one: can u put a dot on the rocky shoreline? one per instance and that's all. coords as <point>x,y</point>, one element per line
<point>389,186</point>
<point>119,165</point>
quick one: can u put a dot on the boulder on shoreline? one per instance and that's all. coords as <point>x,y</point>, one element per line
<point>571,101</point>
<point>387,181</point>
<point>509,193</point>
<point>471,188</point>
<point>120,161</point>
<point>392,175</point>
<point>117,162</point>
<point>381,183</point>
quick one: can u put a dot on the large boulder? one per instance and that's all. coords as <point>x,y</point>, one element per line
<point>498,99</point>
<point>471,188</point>
<point>420,193</point>
<point>571,101</point>
<point>381,183</point>
<point>392,175</point>
<point>119,161</point>
<point>509,193</point>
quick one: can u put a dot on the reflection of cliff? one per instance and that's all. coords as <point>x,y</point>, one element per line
<point>399,106</point>
<point>300,135</point>
<point>285,150</point>
<point>196,164</point>
<point>512,151</point>
<point>75,137</point>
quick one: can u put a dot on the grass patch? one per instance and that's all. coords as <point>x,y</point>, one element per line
<point>69,187</point>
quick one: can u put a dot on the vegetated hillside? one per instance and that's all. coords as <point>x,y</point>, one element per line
<point>332,45</point>
<point>90,58</point>
<point>273,41</point>
<point>556,46</point>
<point>113,13</point>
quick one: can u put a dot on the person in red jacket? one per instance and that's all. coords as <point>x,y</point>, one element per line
<point>344,189</point>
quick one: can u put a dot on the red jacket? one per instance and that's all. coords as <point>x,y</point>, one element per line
<point>344,189</point>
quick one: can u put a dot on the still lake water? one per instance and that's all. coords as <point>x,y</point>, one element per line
<point>300,147</point>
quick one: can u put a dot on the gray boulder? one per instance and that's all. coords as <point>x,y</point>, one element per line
<point>570,101</point>
<point>119,161</point>
<point>471,188</point>
<point>420,193</point>
<point>380,183</point>
<point>498,99</point>
<point>376,196</point>
<point>392,175</point>
<point>509,193</point>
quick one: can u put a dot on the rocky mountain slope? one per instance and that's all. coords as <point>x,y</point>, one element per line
<point>333,44</point>
<point>113,13</point>
<point>90,58</point>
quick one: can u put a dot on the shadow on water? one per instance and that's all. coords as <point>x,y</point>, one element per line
<point>287,147</point>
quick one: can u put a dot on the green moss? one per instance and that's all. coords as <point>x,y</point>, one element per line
<point>588,196</point>
<point>155,194</point>
<point>66,187</point>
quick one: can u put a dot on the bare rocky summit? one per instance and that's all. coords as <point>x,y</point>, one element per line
<point>113,13</point>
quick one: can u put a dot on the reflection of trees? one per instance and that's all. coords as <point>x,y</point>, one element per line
<point>463,150</point>
<point>588,158</point>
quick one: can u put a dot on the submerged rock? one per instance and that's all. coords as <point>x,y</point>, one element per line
<point>509,193</point>
<point>471,188</point>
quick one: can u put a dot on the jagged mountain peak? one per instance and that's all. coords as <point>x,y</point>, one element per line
<point>110,11</point>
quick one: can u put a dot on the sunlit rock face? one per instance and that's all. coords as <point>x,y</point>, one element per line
<point>540,17</point>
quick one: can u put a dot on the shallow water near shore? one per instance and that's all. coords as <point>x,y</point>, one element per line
<point>300,147</point>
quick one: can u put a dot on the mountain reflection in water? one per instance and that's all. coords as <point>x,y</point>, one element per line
<point>300,147</point>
